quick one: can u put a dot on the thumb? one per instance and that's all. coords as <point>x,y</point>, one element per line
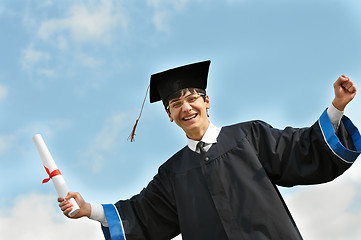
<point>71,195</point>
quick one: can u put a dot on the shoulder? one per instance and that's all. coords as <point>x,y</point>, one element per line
<point>178,161</point>
<point>246,127</point>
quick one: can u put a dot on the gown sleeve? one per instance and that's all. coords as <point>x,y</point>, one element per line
<point>151,214</point>
<point>306,155</point>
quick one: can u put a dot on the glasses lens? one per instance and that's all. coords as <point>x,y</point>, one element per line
<point>190,99</point>
<point>176,104</point>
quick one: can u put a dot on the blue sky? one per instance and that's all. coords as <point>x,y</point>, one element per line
<point>77,71</point>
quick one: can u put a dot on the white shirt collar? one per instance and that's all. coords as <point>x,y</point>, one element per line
<point>210,137</point>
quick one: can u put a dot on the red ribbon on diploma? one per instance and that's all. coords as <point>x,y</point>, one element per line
<point>52,174</point>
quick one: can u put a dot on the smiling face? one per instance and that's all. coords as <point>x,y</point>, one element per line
<point>191,116</point>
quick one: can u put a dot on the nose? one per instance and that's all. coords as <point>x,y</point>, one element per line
<point>186,107</point>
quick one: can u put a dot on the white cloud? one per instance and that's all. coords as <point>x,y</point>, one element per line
<point>86,22</point>
<point>164,10</point>
<point>37,217</point>
<point>3,92</point>
<point>31,57</point>
<point>325,211</point>
<point>161,20</point>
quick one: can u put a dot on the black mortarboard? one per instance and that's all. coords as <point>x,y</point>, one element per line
<point>163,84</point>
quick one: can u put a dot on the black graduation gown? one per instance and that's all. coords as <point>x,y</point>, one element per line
<point>229,192</point>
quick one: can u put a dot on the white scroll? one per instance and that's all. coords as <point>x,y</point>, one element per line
<point>53,172</point>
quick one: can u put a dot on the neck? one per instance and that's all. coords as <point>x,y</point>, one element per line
<point>198,134</point>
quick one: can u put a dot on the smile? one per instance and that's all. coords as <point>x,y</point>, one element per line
<point>190,117</point>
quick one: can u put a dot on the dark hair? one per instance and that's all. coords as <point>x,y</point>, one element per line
<point>181,92</point>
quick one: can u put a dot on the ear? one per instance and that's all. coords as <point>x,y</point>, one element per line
<point>169,115</point>
<point>208,106</point>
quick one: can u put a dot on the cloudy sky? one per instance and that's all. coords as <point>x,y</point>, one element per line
<point>77,71</point>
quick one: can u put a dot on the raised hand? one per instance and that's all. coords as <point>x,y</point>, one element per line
<point>345,91</point>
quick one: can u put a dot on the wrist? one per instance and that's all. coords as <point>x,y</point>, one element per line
<point>87,208</point>
<point>339,106</point>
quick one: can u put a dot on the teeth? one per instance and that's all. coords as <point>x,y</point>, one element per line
<point>190,117</point>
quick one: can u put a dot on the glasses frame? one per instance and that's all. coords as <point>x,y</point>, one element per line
<point>187,98</point>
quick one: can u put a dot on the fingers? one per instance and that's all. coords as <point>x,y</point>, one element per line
<point>346,83</point>
<point>349,86</point>
<point>66,207</point>
<point>342,80</point>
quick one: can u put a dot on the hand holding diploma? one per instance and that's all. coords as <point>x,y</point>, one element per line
<point>67,206</point>
<point>54,174</point>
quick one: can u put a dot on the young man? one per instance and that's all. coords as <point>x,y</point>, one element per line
<point>223,184</point>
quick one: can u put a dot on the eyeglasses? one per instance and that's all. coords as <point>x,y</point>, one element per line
<point>189,99</point>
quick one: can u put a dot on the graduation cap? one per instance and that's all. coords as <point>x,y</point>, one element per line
<point>163,84</point>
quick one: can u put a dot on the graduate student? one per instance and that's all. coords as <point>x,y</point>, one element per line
<point>222,185</point>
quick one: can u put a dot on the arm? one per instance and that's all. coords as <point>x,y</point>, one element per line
<point>148,215</point>
<point>317,154</point>
<point>335,117</point>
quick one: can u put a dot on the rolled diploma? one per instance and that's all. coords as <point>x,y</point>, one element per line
<point>58,181</point>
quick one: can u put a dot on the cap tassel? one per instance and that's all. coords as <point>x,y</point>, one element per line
<point>132,135</point>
